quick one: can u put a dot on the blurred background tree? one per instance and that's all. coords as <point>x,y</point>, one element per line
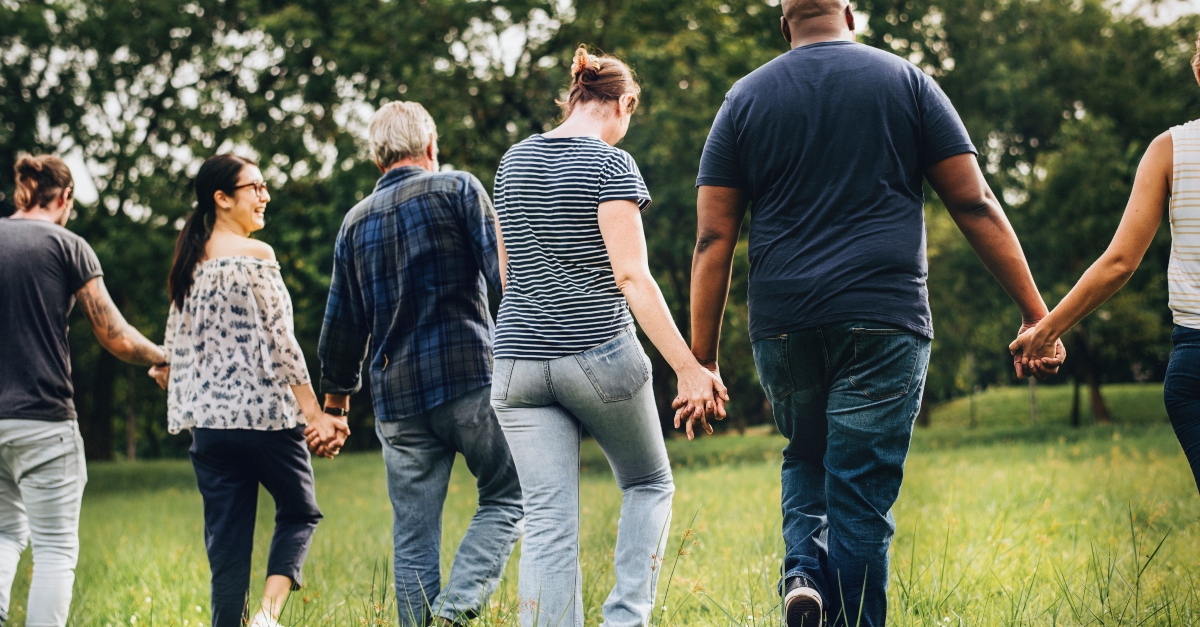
<point>1060,96</point>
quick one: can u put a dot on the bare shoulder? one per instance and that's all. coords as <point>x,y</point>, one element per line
<point>232,246</point>
<point>1159,160</point>
<point>259,249</point>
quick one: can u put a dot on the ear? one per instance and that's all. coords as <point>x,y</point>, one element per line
<point>221,199</point>
<point>431,149</point>
<point>850,17</point>
<point>787,30</point>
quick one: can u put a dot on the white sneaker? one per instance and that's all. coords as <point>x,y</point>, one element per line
<point>262,619</point>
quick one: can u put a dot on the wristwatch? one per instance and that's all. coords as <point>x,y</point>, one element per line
<point>336,411</point>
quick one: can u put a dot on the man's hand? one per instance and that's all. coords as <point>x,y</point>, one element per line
<point>326,435</point>
<point>1035,353</point>
<point>161,375</point>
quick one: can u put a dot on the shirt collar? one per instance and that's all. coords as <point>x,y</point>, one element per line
<point>396,176</point>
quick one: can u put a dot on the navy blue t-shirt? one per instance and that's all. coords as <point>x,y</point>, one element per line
<point>830,142</point>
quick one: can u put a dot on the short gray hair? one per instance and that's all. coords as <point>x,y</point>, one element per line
<point>400,130</point>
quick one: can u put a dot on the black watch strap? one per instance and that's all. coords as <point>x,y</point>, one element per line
<point>336,411</point>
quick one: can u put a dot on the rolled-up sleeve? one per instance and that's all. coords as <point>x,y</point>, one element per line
<point>344,333</point>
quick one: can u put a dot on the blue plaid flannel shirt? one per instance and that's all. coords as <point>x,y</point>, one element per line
<point>409,293</point>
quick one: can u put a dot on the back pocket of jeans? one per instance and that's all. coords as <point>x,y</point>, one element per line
<point>46,463</point>
<point>617,368</point>
<point>502,371</point>
<point>774,370</point>
<point>885,361</point>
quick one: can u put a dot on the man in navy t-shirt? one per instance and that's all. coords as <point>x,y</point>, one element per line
<point>828,144</point>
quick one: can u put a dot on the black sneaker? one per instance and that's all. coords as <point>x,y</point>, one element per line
<point>802,604</point>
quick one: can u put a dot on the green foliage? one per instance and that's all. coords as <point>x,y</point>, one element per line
<point>1060,96</point>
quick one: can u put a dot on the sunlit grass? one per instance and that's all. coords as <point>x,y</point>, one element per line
<point>1000,526</point>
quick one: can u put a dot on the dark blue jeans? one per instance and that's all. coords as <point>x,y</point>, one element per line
<point>419,452</point>
<point>230,464</point>
<point>1181,392</point>
<point>845,395</point>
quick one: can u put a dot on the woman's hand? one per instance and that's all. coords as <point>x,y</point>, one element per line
<point>1037,352</point>
<point>161,375</point>
<point>702,395</point>
<point>326,434</point>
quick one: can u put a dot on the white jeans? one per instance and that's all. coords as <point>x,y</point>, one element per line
<point>42,474</point>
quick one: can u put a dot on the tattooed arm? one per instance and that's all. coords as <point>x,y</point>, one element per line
<point>115,334</point>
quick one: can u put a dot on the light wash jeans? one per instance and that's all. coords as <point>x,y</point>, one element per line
<point>42,474</point>
<point>542,406</point>
<point>419,452</point>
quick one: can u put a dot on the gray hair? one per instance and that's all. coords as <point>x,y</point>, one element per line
<point>400,130</point>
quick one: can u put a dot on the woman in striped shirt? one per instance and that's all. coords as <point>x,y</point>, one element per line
<point>1168,180</point>
<point>573,259</point>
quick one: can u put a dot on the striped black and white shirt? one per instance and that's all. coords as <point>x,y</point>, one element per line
<point>560,296</point>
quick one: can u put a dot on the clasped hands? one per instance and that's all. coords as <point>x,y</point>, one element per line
<point>326,434</point>
<point>702,396</point>
<point>1036,352</point>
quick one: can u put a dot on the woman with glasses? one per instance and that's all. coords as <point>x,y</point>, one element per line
<point>238,380</point>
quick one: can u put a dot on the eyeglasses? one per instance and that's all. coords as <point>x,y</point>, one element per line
<point>260,187</point>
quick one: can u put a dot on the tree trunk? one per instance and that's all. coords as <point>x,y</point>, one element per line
<point>98,441</point>
<point>1088,367</point>
<point>1099,409</point>
<point>926,408</point>
<point>1033,401</point>
<point>1075,422</point>
<point>131,413</point>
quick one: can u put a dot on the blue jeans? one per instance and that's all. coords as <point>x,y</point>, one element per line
<point>1181,392</point>
<point>230,464</point>
<point>542,406</point>
<point>845,395</point>
<point>419,452</point>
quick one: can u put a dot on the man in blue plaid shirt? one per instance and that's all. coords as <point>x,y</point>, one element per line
<point>409,294</point>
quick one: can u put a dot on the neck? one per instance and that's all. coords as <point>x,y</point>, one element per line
<point>230,227</point>
<point>38,213</point>
<point>424,164</point>
<point>587,122</point>
<point>818,29</point>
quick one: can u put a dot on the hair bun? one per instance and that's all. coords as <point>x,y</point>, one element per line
<point>28,166</point>
<point>584,64</point>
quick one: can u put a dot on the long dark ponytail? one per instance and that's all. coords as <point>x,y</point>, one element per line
<point>217,173</point>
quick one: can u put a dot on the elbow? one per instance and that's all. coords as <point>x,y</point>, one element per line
<point>706,240</point>
<point>978,208</point>
<point>1120,268</point>
<point>631,282</point>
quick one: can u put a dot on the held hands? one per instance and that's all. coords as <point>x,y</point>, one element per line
<point>702,395</point>
<point>1036,352</point>
<point>326,434</point>
<point>161,375</point>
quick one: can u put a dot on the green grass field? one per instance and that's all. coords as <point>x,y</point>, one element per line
<point>1001,524</point>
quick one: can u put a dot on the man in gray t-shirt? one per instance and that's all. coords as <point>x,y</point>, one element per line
<point>46,268</point>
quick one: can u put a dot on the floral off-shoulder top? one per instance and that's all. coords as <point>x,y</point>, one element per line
<point>234,355</point>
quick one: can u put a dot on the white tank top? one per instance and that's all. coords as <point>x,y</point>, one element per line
<point>1183,272</point>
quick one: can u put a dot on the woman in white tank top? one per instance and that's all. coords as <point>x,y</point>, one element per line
<point>1168,179</point>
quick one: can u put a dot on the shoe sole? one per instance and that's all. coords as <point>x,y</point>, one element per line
<point>803,608</point>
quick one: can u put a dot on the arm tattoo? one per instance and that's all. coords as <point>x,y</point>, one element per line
<point>111,328</point>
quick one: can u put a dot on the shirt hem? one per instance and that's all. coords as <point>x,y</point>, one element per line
<point>39,417</point>
<point>847,316</point>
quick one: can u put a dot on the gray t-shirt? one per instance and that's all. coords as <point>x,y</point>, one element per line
<point>42,265</point>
